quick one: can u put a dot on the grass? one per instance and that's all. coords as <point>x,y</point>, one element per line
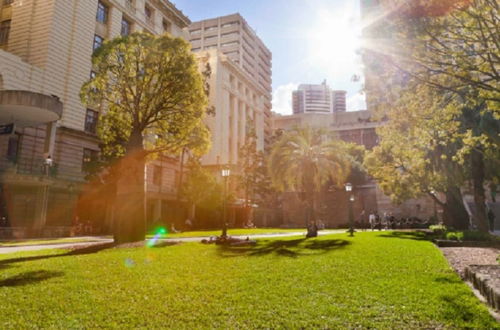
<point>43,241</point>
<point>235,232</point>
<point>206,233</point>
<point>376,280</point>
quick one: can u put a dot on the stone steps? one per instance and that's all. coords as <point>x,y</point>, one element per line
<point>486,279</point>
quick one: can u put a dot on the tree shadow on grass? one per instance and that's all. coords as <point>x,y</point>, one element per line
<point>94,248</point>
<point>29,278</point>
<point>285,248</point>
<point>413,235</point>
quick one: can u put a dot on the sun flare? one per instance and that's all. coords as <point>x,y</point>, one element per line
<point>333,40</point>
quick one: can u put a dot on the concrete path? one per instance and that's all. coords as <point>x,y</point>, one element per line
<point>101,240</point>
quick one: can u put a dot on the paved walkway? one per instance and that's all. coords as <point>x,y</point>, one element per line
<point>101,240</point>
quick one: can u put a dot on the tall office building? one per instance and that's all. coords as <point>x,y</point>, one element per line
<point>233,37</point>
<point>45,57</point>
<point>318,99</point>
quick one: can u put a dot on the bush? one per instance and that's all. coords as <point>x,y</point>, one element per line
<point>438,229</point>
<point>455,235</point>
<point>476,236</point>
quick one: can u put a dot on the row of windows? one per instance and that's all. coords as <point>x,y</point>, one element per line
<point>214,27</point>
<point>102,17</point>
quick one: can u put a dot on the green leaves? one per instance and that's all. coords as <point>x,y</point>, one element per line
<point>304,159</point>
<point>151,85</point>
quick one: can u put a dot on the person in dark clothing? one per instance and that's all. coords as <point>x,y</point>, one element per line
<point>491,219</point>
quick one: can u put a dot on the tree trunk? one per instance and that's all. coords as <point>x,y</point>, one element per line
<point>130,211</point>
<point>455,214</point>
<point>477,168</point>
<point>312,228</point>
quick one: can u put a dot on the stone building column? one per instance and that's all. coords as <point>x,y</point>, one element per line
<point>50,139</point>
<point>41,208</point>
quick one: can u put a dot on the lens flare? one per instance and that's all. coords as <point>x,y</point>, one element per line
<point>160,233</point>
<point>129,263</point>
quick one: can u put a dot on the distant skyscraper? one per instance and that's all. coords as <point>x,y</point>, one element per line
<point>232,36</point>
<point>318,99</point>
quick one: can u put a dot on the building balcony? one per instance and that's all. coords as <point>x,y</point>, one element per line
<point>35,169</point>
<point>24,108</point>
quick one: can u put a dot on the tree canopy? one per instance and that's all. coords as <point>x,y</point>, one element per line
<point>152,100</point>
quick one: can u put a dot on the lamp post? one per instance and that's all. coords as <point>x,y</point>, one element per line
<point>348,189</point>
<point>226,172</point>
<point>48,162</point>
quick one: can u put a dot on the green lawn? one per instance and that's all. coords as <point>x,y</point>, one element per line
<point>376,280</point>
<point>44,241</point>
<point>235,232</point>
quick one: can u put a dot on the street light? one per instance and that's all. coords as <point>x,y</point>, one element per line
<point>226,172</point>
<point>48,162</point>
<point>348,189</point>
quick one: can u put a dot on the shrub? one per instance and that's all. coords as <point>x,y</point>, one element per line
<point>438,229</point>
<point>455,235</point>
<point>476,236</point>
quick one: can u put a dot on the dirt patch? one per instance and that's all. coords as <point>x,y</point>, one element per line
<point>462,257</point>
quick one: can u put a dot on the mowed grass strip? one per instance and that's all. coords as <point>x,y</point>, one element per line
<point>378,280</point>
<point>233,232</point>
<point>30,242</point>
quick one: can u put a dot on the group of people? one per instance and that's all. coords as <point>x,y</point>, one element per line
<point>389,221</point>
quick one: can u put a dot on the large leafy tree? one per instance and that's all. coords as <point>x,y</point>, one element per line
<point>417,153</point>
<point>303,160</point>
<point>153,102</point>
<point>452,48</point>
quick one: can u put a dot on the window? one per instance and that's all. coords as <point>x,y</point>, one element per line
<point>4,32</point>
<point>157,171</point>
<point>211,28</point>
<point>148,11</point>
<point>7,2</point>
<point>211,38</point>
<point>91,121</point>
<point>125,31</point>
<point>13,147</point>
<point>197,31</point>
<point>89,156</point>
<point>98,41</point>
<point>195,49</point>
<point>230,24</point>
<point>102,13</point>
<point>167,26</point>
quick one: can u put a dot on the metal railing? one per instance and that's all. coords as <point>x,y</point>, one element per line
<point>37,167</point>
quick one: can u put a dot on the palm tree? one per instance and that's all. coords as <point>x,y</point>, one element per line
<point>303,160</point>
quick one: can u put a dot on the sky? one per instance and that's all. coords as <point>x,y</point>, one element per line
<point>311,40</point>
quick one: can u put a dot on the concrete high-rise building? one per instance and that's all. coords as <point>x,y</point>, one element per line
<point>232,36</point>
<point>240,105</point>
<point>318,99</point>
<point>45,57</point>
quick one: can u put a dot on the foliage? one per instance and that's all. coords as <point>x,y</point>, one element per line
<point>437,81</point>
<point>147,84</point>
<point>200,187</point>
<point>153,101</point>
<point>376,280</point>
<point>438,229</point>
<point>254,179</point>
<point>304,159</point>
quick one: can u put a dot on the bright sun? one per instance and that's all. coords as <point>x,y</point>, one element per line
<point>333,40</point>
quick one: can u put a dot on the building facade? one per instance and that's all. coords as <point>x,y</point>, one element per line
<point>357,127</point>
<point>318,99</point>
<point>239,102</point>
<point>45,57</point>
<point>232,36</point>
